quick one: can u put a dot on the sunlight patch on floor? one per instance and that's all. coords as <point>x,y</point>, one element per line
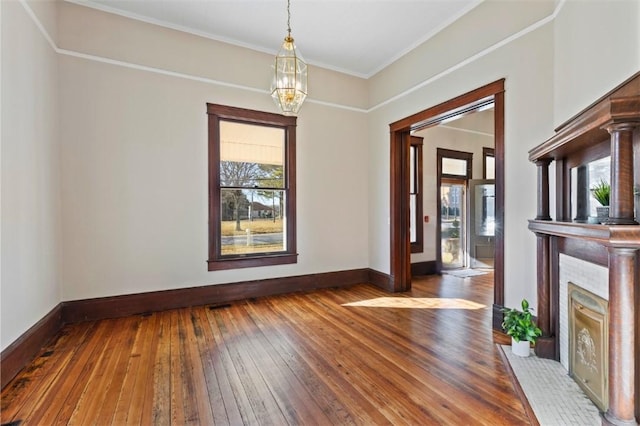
<point>417,303</point>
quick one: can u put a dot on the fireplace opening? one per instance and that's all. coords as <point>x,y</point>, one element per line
<point>588,343</point>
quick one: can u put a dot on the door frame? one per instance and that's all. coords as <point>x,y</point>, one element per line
<point>400,134</point>
<point>440,154</point>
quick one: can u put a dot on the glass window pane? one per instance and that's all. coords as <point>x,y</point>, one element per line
<point>251,221</point>
<point>413,237</point>
<point>454,166</point>
<point>490,167</point>
<point>485,215</point>
<point>412,170</point>
<point>251,156</point>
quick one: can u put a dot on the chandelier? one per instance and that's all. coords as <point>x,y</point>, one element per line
<point>289,84</point>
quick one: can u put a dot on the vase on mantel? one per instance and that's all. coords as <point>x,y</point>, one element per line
<point>603,213</point>
<point>521,348</point>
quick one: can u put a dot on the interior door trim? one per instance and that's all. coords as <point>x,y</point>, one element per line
<point>400,262</point>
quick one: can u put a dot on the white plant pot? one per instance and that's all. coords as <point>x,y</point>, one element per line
<point>521,348</point>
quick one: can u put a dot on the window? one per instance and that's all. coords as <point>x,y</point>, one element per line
<point>415,195</point>
<point>488,163</point>
<point>251,188</point>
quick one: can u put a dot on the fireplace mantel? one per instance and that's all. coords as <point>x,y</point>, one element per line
<point>608,127</point>
<point>607,235</point>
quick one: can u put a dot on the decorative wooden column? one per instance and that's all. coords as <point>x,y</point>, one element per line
<point>622,262</point>
<point>621,210</point>
<point>543,189</point>
<point>582,196</point>
<point>545,346</point>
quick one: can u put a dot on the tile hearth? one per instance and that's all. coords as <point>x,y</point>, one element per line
<point>555,398</point>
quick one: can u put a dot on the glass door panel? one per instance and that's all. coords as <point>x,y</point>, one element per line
<point>482,223</point>
<point>452,222</point>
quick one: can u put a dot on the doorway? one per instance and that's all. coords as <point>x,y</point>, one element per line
<point>454,169</point>
<point>400,249</point>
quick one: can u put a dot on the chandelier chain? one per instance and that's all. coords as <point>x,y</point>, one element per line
<point>289,17</point>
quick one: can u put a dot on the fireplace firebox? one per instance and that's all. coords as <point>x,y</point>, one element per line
<point>588,348</point>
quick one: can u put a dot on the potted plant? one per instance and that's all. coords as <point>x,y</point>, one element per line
<point>601,192</point>
<point>520,326</point>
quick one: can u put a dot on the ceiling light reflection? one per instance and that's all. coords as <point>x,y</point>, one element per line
<point>417,303</point>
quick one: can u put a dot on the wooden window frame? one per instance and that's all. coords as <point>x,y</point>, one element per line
<point>418,245</point>
<point>455,155</point>
<point>216,113</point>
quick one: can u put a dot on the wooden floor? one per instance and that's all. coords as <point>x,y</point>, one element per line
<point>331,357</point>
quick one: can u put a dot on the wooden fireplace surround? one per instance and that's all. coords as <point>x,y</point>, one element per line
<point>610,126</point>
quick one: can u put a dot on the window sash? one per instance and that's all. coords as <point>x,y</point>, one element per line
<point>219,257</point>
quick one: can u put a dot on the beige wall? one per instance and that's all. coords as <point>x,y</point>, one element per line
<point>597,47</point>
<point>488,25</point>
<point>30,211</point>
<point>134,156</point>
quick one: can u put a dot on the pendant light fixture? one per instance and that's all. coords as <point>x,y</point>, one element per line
<point>289,85</point>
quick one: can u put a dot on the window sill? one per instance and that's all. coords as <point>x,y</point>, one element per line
<point>252,262</point>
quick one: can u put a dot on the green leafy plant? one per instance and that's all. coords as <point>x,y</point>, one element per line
<point>455,229</point>
<point>601,192</point>
<point>519,324</point>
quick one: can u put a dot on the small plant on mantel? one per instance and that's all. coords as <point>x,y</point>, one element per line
<point>520,326</point>
<point>601,192</point>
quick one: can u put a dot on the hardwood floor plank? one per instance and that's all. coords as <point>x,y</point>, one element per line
<point>176,371</point>
<point>366,370</point>
<point>142,399</point>
<point>403,355</point>
<point>61,397</point>
<point>338,396</point>
<point>316,390</point>
<point>257,390</point>
<point>199,396</point>
<point>223,405</point>
<point>90,402</point>
<point>348,356</point>
<point>123,404</point>
<point>23,393</point>
<point>161,408</point>
<point>128,330</point>
<point>291,395</point>
<point>362,409</point>
<point>471,366</point>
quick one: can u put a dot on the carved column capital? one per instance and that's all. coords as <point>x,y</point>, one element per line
<point>543,162</point>
<point>621,126</point>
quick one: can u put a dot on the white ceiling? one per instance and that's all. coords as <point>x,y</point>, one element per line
<point>359,37</point>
